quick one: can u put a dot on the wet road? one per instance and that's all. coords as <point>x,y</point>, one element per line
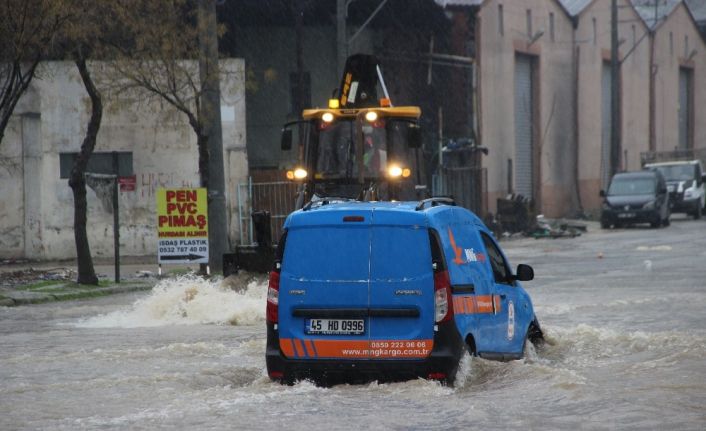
<point>624,312</point>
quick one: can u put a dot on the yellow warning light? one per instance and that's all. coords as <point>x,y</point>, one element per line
<point>385,102</point>
<point>371,116</point>
<point>333,103</point>
<point>406,172</point>
<point>327,117</point>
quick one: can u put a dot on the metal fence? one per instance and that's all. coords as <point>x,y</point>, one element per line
<point>278,198</point>
<point>468,186</point>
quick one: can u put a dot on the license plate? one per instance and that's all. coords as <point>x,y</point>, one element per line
<point>335,326</point>
<point>626,215</point>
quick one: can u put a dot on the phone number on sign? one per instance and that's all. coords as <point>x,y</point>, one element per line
<point>398,344</point>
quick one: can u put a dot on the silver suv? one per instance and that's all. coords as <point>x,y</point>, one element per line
<point>685,183</point>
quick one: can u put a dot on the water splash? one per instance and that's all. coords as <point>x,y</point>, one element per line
<point>189,300</point>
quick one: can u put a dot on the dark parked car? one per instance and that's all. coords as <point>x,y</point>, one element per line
<point>636,197</point>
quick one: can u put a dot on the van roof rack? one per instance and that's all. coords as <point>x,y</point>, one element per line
<point>435,201</point>
<point>325,201</point>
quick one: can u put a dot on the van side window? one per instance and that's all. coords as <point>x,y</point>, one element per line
<point>497,261</point>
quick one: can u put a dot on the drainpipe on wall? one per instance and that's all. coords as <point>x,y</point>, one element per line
<point>653,76</point>
<point>576,204</point>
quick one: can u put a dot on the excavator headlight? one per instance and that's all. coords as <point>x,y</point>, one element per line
<point>394,171</point>
<point>333,103</point>
<point>371,116</point>
<point>297,174</point>
<point>327,117</point>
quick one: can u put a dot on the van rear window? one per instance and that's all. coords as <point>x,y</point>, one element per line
<point>328,253</point>
<point>400,252</point>
<point>354,254</point>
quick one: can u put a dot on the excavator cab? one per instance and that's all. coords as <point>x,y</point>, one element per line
<point>360,147</point>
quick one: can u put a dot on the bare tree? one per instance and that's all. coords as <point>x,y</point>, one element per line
<point>28,29</point>
<point>169,36</point>
<point>77,180</point>
<point>165,38</point>
<point>84,36</point>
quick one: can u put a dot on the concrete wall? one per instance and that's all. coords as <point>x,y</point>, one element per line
<point>36,206</point>
<point>553,135</point>
<point>674,40</point>
<point>593,45</point>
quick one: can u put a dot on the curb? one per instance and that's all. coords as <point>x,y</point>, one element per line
<point>7,299</point>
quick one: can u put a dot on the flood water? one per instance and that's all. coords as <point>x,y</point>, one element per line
<point>624,313</point>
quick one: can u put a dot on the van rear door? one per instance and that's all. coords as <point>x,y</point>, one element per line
<point>324,284</point>
<point>401,286</point>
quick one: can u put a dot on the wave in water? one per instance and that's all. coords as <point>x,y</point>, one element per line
<point>189,300</point>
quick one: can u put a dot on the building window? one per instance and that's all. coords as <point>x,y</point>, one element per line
<point>529,22</point>
<point>551,26</point>
<point>634,35</point>
<point>686,46</point>
<point>500,19</point>
<point>100,162</point>
<point>595,31</point>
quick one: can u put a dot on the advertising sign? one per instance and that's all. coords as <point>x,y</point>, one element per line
<point>182,225</point>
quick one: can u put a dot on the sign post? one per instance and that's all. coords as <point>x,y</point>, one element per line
<point>182,226</point>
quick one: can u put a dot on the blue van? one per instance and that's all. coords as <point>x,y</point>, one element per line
<point>387,291</point>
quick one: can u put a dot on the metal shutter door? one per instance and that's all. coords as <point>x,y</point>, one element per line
<point>523,126</point>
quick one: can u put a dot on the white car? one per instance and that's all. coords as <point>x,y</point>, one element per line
<point>686,185</point>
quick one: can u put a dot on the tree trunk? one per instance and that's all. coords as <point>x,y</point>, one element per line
<point>77,181</point>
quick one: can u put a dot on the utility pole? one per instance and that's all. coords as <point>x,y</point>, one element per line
<point>614,91</point>
<point>341,38</point>
<point>210,103</point>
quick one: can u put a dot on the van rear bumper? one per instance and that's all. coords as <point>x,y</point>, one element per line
<point>441,364</point>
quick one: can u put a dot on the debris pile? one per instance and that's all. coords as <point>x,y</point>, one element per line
<point>548,228</point>
<point>32,275</point>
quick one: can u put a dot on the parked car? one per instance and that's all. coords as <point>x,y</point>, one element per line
<point>636,197</point>
<point>686,183</point>
<point>387,291</point>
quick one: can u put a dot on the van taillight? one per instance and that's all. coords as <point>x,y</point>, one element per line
<point>443,305</point>
<point>272,297</point>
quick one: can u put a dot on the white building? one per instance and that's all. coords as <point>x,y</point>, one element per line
<point>36,204</point>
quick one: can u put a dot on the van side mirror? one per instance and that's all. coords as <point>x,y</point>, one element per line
<point>414,136</point>
<point>286,142</point>
<point>602,193</point>
<point>524,272</point>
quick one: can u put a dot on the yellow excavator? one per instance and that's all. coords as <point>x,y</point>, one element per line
<point>360,147</point>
